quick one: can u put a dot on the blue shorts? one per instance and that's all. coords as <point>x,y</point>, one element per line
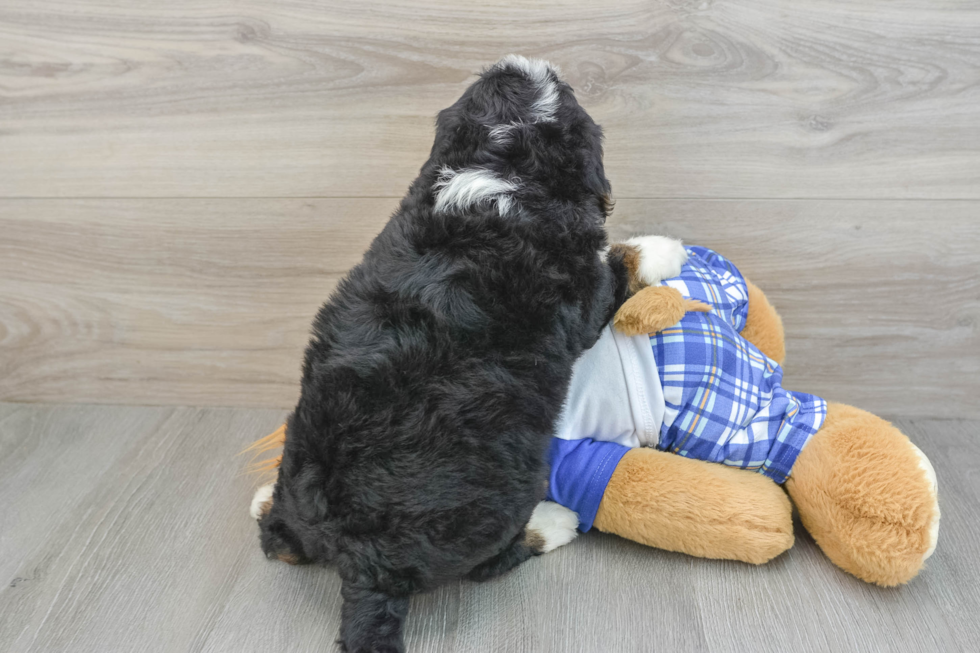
<point>724,398</point>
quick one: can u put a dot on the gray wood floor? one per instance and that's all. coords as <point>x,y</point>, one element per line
<point>126,529</point>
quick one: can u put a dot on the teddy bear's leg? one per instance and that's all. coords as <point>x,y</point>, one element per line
<point>763,326</point>
<point>868,496</point>
<point>703,509</point>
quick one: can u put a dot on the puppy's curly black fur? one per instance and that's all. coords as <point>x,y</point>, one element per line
<point>437,369</point>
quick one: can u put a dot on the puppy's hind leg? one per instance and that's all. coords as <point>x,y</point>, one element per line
<point>551,526</point>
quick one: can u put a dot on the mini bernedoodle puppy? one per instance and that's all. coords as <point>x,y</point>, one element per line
<point>437,370</point>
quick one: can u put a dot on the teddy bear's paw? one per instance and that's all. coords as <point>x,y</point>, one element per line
<point>660,258</point>
<point>261,501</point>
<point>551,526</point>
<point>653,309</point>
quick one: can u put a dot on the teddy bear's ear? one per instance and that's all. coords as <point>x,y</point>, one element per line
<point>650,260</point>
<point>653,309</point>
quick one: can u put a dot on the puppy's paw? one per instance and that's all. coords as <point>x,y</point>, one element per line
<point>660,258</point>
<point>261,501</point>
<point>551,526</point>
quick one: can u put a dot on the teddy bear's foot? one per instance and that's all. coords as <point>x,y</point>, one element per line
<point>868,497</point>
<point>691,506</point>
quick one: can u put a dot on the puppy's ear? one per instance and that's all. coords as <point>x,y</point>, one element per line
<point>606,204</point>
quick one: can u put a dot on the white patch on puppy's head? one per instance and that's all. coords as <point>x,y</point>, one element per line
<point>544,76</point>
<point>460,190</point>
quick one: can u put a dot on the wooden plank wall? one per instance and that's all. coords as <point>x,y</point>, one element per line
<point>182,183</point>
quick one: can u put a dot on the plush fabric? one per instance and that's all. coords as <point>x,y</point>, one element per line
<point>712,511</point>
<point>654,308</point>
<point>763,326</point>
<point>863,496</point>
<point>724,399</point>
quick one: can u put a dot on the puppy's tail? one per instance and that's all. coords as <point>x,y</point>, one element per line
<point>371,621</point>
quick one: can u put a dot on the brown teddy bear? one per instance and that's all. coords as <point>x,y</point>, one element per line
<point>866,494</point>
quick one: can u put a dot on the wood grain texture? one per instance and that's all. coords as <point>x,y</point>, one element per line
<point>125,528</point>
<point>209,302</point>
<point>700,98</point>
<point>146,545</point>
<point>167,299</point>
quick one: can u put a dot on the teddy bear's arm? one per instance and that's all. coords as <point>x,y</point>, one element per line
<point>653,309</point>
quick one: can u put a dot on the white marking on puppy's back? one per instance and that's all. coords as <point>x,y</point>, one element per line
<point>261,501</point>
<point>660,258</point>
<point>554,523</point>
<point>459,190</point>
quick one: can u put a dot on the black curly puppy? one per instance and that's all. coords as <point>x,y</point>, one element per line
<point>436,371</point>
